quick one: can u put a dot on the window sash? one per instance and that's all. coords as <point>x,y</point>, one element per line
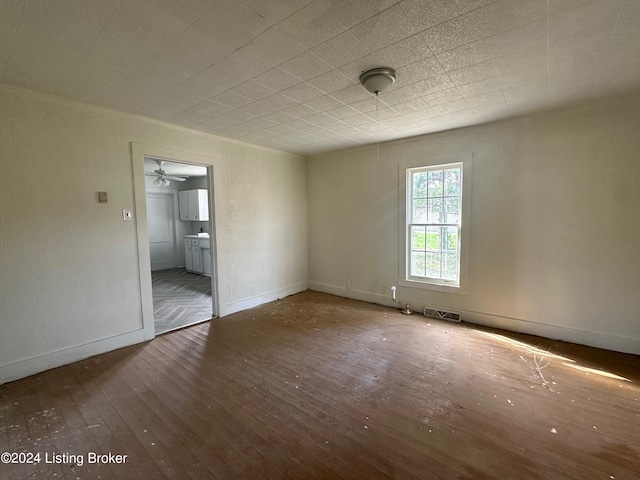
<point>433,256</point>
<point>441,251</point>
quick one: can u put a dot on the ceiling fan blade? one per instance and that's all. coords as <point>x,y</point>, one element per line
<point>179,179</point>
<point>151,174</point>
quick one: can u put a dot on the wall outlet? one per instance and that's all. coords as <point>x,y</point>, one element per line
<point>348,283</point>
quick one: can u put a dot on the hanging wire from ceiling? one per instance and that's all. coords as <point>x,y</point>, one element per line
<point>377,127</point>
<point>375,81</point>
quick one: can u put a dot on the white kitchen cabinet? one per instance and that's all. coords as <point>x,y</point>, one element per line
<point>206,259</point>
<point>192,259</point>
<point>183,204</point>
<point>194,205</point>
<point>195,258</point>
<point>197,255</point>
<point>188,258</point>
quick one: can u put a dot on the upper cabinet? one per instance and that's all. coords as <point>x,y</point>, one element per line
<point>194,205</point>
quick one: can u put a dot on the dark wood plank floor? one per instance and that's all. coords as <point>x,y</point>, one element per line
<point>316,386</point>
<point>180,298</point>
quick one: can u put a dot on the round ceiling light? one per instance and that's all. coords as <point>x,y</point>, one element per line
<point>377,80</point>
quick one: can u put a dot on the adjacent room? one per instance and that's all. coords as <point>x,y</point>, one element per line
<point>320,239</point>
<point>179,222</point>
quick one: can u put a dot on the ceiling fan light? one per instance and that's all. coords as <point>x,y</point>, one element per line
<point>165,182</point>
<point>157,182</point>
<point>377,80</point>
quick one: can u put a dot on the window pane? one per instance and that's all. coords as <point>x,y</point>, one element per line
<point>434,218</point>
<point>420,210</point>
<point>418,264</point>
<point>418,238</point>
<point>433,265</point>
<point>434,239</point>
<point>450,266</point>
<point>452,209</point>
<point>450,243</point>
<point>420,185</point>
<point>436,213</point>
<point>435,183</point>
<point>452,182</point>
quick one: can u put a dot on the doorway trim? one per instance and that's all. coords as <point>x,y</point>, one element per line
<point>138,153</point>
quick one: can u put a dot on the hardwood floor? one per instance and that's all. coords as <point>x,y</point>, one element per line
<point>316,386</point>
<point>180,298</point>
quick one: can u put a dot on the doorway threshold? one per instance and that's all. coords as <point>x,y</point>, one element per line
<point>182,327</point>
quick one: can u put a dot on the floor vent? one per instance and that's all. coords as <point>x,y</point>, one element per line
<point>442,314</point>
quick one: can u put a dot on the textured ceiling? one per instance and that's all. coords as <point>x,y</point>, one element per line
<point>283,73</point>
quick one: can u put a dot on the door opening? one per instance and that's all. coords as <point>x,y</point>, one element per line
<point>180,234</point>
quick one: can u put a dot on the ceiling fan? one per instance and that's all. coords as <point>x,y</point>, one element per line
<point>162,178</point>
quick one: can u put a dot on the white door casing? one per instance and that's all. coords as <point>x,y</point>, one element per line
<point>138,153</point>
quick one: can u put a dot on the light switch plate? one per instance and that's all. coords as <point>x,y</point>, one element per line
<point>127,215</point>
<point>102,197</point>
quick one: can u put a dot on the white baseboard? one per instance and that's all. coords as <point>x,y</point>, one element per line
<point>40,363</point>
<point>354,294</point>
<point>589,338</point>
<point>573,335</point>
<point>257,300</point>
<point>47,361</point>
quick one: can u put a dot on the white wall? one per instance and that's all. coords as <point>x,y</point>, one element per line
<point>69,279</point>
<point>555,229</point>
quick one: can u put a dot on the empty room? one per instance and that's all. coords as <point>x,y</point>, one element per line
<point>324,239</point>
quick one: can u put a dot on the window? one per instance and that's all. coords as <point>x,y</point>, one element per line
<point>434,220</point>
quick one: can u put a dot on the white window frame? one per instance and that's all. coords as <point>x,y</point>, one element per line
<point>405,199</point>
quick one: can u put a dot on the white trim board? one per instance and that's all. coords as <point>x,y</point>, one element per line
<point>465,227</point>
<point>31,366</point>
<point>258,300</point>
<point>138,153</point>
<point>605,341</point>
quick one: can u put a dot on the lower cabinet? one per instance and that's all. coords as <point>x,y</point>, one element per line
<point>192,255</point>
<point>188,262</point>
<point>197,255</point>
<point>206,260</point>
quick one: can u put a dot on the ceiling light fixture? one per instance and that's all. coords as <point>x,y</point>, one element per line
<point>162,178</point>
<point>161,182</point>
<point>375,81</point>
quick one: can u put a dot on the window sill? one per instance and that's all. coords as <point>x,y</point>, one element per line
<point>462,290</point>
